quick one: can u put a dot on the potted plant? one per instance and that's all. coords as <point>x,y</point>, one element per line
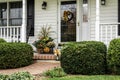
<point>45,43</point>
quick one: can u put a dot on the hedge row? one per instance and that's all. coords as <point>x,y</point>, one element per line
<point>113,56</point>
<point>89,57</point>
<point>14,55</point>
<point>2,40</point>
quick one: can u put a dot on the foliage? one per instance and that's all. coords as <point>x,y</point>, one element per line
<point>13,55</point>
<point>4,77</point>
<point>87,57</point>
<point>114,56</point>
<point>44,38</point>
<point>81,77</point>
<point>2,40</point>
<point>44,42</point>
<point>56,72</point>
<point>45,31</point>
<point>50,44</point>
<point>21,76</point>
<point>17,76</point>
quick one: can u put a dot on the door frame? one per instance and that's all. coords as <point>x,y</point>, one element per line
<point>88,25</point>
<point>77,20</point>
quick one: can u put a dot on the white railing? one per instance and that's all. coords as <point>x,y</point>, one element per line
<point>11,33</point>
<point>108,31</point>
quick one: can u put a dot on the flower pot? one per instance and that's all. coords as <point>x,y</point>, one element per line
<point>45,50</point>
<point>40,51</point>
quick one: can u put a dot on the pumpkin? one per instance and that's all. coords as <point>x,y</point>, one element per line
<point>46,49</point>
<point>57,52</point>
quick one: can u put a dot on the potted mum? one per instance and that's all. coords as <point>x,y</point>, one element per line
<point>45,43</point>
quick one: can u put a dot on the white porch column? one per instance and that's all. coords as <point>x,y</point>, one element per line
<point>97,24</point>
<point>24,21</point>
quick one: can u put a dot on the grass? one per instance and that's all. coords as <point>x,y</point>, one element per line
<point>80,77</point>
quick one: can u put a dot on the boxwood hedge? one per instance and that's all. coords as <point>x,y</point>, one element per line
<point>2,40</point>
<point>114,56</point>
<point>14,55</point>
<point>87,57</point>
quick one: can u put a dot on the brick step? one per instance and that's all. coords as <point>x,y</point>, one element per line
<point>38,56</point>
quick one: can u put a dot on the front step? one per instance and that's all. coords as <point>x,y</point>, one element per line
<point>38,56</point>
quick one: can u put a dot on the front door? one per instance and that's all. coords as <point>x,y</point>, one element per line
<point>68,21</point>
<point>74,25</point>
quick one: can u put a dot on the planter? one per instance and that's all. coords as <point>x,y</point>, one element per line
<point>42,51</point>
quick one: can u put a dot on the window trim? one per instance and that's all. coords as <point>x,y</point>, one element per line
<point>8,14</point>
<point>9,19</point>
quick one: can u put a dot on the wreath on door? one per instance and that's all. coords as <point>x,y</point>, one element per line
<point>68,16</point>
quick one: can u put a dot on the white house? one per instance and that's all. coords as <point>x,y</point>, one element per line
<point>72,20</point>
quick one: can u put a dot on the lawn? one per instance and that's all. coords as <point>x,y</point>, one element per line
<point>97,77</point>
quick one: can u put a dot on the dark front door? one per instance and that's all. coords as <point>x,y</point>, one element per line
<point>68,21</point>
<point>30,17</point>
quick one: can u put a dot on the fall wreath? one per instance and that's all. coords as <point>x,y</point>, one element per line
<point>68,16</point>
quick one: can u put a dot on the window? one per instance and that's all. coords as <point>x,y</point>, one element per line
<point>14,14</point>
<point>3,14</point>
<point>15,18</point>
<point>85,11</point>
<point>68,21</point>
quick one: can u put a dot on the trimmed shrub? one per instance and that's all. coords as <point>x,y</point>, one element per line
<point>14,55</point>
<point>113,57</point>
<point>87,57</point>
<point>56,72</point>
<point>2,40</point>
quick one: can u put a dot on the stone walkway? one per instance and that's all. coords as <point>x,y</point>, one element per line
<point>37,67</point>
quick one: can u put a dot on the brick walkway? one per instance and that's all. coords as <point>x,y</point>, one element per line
<point>36,68</point>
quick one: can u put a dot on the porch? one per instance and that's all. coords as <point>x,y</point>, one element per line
<point>101,30</point>
<point>107,32</point>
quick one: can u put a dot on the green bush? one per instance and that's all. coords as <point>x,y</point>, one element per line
<point>21,76</point>
<point>14,55</point>
<point>114,56</point>
<point>87,57</point>
<point>2,40</point>
<point>17,76</point>
<point>56,72</point>
<point>4,77</point>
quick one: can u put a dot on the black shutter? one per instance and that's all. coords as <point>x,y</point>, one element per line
<point>30,17</point>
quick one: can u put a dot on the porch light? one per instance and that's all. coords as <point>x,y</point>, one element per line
<point>103,2</point>
<point>44,5</point>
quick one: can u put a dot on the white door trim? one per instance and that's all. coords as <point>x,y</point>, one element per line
<point>85,27</point>
<point>79,20</point>
<point>59,20</point>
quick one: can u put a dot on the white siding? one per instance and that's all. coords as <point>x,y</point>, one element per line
<point>92,18</point>
<point>108,14</point>
<point>45,17</point>
<point>9,0</point>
